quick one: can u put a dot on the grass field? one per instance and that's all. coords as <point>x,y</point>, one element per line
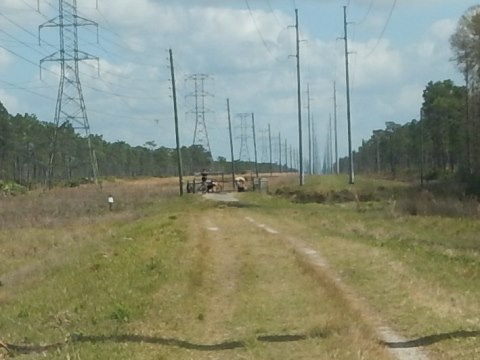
<point>164,277</point>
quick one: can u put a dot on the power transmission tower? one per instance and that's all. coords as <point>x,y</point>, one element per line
<point>264,145</point>
<point>200,133</point>
<point>70,107</point>
<point>244,154</point>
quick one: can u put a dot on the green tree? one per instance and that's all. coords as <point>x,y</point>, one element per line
<point>465,45</point>
<point>443,110</point>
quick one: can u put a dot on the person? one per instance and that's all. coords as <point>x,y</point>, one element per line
<point>241,183</point>
<point>204,175</point>
<point>110,202</point>
<point>211,185</point>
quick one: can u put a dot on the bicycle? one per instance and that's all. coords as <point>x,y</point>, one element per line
<point>210,186</point>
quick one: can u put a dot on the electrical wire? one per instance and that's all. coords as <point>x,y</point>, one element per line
<point>22,42</point>
<point>389,17</point>
<point>367,13</point>
<point>257,28</point>
<point>27,90</point>
<point>269,4</point>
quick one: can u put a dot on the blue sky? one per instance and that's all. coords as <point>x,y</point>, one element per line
<point>245,47</point>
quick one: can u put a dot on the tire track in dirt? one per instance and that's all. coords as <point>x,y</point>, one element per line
<point>222,274</point>
<point>318,263</point>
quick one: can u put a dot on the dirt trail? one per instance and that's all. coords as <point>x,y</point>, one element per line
<point>223,272</point>
<point>246,258</point>
<point>319,265</point>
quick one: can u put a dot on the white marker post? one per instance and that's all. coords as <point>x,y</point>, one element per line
<point>110,202</point>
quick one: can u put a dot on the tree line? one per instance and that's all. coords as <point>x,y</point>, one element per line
<point>445,140</point>
<point>26,147</point>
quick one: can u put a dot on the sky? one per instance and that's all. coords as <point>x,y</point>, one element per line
<point>246,51</point>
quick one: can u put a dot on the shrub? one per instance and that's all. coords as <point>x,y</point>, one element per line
<point>11,188</point>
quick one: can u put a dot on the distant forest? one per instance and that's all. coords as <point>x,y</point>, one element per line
<point>445,141</point>
<point>442,142</point>
<point>26,146</point>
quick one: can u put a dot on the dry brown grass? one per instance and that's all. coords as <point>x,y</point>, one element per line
<point>419,273</point>
<point>86,203</point>
<point>194,277</point>
<point>40,228</point>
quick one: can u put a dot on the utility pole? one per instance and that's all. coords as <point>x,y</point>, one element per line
<point>70,107</point>
<point>337,165</point>
<point>299,100</point>
<point>231,143</point>
<point>309,132</point>
<point>330,152</point>
<point>286,157</point>
<point>177,136</point>
<point>255,144</point>
<point>422,119</point>
<point>270,145</point>
<point>292,165</point>
<point>347,78</point>
<point>314,147</point>
<point>279,152</point>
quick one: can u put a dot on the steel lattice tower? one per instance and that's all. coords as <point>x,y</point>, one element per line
<point>264,145</point>
<point>244,131</point>
<point>200,134</point>
<point>70,107</point>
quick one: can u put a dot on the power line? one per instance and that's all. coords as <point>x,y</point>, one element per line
<point>27,90</point>
<point>367,13</point>
<point>21,57</point>
<point>257,28</point>
<point>22,42</point>
<point>392,9</point>
<point>21,27</point>
<point>273,13</point>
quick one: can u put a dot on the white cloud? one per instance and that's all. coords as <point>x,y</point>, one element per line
<point>5,59</point>
<point>376,63</point>
<point>247,55</point>
<point>443,29</point>
<point>10,102</point>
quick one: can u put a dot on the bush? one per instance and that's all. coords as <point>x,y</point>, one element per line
<point>427,204</point>
<point>11,188</point>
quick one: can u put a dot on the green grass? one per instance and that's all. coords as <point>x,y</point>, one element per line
<point>422,273</point>
<point>102,283</point>
<point>149,280</point>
